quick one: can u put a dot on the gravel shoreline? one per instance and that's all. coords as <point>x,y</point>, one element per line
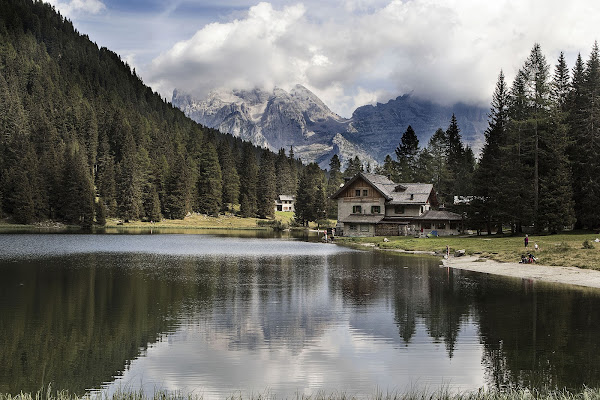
<point>545,273</point>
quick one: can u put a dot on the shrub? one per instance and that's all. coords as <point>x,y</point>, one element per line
<point>587,244</point>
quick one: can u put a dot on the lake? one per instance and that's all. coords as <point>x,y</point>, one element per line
<point>225,314</point>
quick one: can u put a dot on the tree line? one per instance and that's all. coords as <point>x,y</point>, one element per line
<point>539,167</point>
<point>82,138</point>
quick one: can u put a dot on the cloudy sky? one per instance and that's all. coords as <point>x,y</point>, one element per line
<point>349,52</point>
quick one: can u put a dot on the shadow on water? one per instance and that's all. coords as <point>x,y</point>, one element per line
<point>225,313</point>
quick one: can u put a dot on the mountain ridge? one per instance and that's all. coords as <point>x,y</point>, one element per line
<point>298,118</point>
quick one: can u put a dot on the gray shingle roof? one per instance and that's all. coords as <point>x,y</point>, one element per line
<point>395,193</point>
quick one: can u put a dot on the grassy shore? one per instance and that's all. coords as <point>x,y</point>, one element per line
<point>281,220</point>
<point>442,394</point>
<point>561,250</point>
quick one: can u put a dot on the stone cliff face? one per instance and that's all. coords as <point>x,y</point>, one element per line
<point>380,127</point>
<point>279,119</point>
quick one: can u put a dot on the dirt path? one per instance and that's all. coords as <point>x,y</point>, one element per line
<point>568,275</point>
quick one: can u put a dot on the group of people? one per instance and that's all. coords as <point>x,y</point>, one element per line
<point>529,258</point>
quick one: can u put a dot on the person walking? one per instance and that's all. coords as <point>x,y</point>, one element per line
<point>526,240</point>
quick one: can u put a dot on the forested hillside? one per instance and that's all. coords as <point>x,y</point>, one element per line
<point>82,138</point>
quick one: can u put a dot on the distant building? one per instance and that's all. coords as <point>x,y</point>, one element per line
<point>373,205</point>
<point>284,202</point>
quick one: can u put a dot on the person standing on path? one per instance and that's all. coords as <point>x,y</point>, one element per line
<point>526,240</point>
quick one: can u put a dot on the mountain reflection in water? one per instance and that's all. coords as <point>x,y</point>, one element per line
<point>217,315</point>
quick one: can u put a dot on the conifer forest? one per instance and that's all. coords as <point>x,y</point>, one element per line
<point>82,139</point>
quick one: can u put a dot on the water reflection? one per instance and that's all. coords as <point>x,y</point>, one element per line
<point>217,315</point>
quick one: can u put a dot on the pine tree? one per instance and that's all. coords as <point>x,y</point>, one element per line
<point>105,178</point>
<point>231,179</point>
<point>19,201</point>
<point>556,207</point>
<point>177,204</point>
<point>210,183</point>
<point>100,212</point>
<point>354,167</point>
<point>488,179</point>
<point>334,182</point>
<point>79,194</point>
<point>266,187</point>
<point>587,144</point>
<point>320,202</point>
<point>406,155</point>
<point>437,148</point>
<point>248,181</point>
<point>309,205</point>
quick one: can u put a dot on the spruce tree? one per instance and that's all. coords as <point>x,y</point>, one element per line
<point>488,179</point>
<point>335,180</point>
<point>210,183</point>
<point>556,207</point>
<point>231,179</point>
<point>406,155</point>
<point>79,194</point>
<point>437,148</point>
<point>177,204</point>
<point>266,186</point>
<point>354,167</point>
<point>309,204</point>
<point>248,181</point>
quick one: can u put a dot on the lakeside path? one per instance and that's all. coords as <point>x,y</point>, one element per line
<point>546,273</point>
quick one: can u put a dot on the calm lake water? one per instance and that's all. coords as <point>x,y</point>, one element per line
<point>218,315</point>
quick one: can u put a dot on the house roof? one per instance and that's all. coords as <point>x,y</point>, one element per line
<point>286,197</point>
<point>394,193</point>
<point>362,219</point>
<point>433,215</point>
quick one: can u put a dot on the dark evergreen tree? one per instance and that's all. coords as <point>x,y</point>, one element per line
<point>248,182</point>
<point>406,155</point>
<point>177,204</point>
<point>231,179</point>
<point>210,182</point>
<point>308,204</point>
<point>100,212</point>
<point>437,148</point>
<point>79,194</point>
<point>266,186</point>
<point>587,145</point>
<point>354,167</point>
<point>488,179</point>
<point>336,179</point>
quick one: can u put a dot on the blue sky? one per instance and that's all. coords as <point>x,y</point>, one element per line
<point>349,52</point>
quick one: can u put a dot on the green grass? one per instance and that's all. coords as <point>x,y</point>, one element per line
<point>442,394</point>
<point>565,249</point>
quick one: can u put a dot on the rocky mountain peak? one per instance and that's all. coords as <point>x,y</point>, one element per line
<point>280,119</point>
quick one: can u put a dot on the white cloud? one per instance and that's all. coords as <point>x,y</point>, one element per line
<point>354,50</point>
<point>69,8</point>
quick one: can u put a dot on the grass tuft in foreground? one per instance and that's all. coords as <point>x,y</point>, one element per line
<point>442,394</point>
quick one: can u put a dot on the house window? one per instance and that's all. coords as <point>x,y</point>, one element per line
<point>357,192</point>
<point>426,225</point>
<point>356,209</point>
<point>365,192</point>
<point>441,225</point>
<point>352,227</point>
<point>375,209</point>
<point>453,225</point>
<point>364,228</point>
<point>421,209</point>
<point>399,209</point>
